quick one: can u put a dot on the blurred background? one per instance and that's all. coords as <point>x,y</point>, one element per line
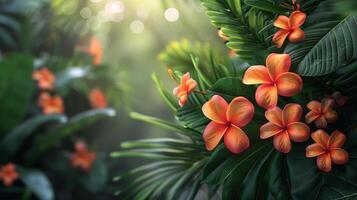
<point>113,45</point>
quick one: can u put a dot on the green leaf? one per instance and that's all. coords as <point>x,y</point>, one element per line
<point>16,90</point>
<point>45,142</point>
<point>267,6</point>
<point>37,182</point>
<point>335,50</point>
<point>11,143</point>
<point>167,96</point>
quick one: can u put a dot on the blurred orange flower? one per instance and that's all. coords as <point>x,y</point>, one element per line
<point>289,27</point>
<point>51,105</point>
<point>322,113</point>
<point>8,174</point>
<point>222,35</point>
<point>45,78</point>
<point>227,121</point>
<point>97,98</point>
<point>327,149</point>
<point>275,79</point>
<point>338,98</point>
<point>95,49</point>
<point>186,87</point>
<point>284,126</point>
<point>82,157</point>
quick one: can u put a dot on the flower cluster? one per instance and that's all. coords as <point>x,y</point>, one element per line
<point>284,125</point>
<point>8,174</point>
<point>82,157</point>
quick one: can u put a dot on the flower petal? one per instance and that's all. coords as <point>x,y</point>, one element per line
<point>298,132</point>
<point>314,150</point>
<point>288,84</point>
<point>240,111</point>
<point>311,116</point>
<point>282,22</point>
<point>269,129</point>
<point>297,19</point>
<point>339,156</point>
<point>191,85</point>
<point>331,116</point>
<point>185,78</point>
<point>213,134</point>
<point>278,64</point>
<point>215,109</point>
<point>314,106</point>
<point>324,162</point>
<point>292,113</point>
<point>320,122</point>
<point>279,37</point>
<point>320,137</point>
<point>337,139</point>
<point>183,100</point>
<point>282,142</point>
<point>236,140</point>
<point>297,35</point>
<point>274,115</point>
<point>266,96</point>
<point>327,104</point>
<point>256,74</point>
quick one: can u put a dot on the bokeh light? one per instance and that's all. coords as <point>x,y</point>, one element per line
<point>172,14</point>
<point>137,26</point>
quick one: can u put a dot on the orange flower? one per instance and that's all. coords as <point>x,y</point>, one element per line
<point>82,158</point>
<point>227,121</point>
<point>284,125</point>
<point>327,149</point>
<point>322,113</point>
<point>275,79</point>
<point>45,78</point>
<point>186,87</point>
<point>51,105</point>
<point>289,27</point>
<point>8,174</point>
<point>97,99</point>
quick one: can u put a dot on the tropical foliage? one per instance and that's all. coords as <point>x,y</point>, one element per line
<point>313,74</point>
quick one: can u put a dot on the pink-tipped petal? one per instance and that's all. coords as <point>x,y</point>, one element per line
<point>282,22</point>
<point>339,156</point>
<point>282,142</point>
<point>297,19</point>
<point>314,150</point>
<point>297,35</point>
<point>240,111</point>
<point>213,134</point>
<point>256,74</point>
<point>298,132</point>
<point>274,115</point>
<point>215,109</point>
<point>266,96</point>
<point>324,162</point>
<point>269,129</point>
<point>337,139</point>
<point>314,106</point>
<point>320,137</point>
<point>278,64</point>
<point>280,37</point>
<point>236,140</point>
<point>288,84</point>
<point>311,116</point>
<point>292,113</point>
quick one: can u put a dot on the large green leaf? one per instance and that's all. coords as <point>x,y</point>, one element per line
<point>14,139</point>
<point>16,90</point>
<point>335,50</point>
<point>82,120</point>
<point>37,182</point>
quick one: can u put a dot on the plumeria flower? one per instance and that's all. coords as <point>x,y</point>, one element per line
<point>186,87</point>
<point>338,98</point>
<point>327,149</point>
<point>97,98</point>
<point>321,113</point>
<point>284,126</point>
<point>8,174</point>
<point>275,79</point>
<point>227,121</point>
<point>82,157</point>
<point>289,27</point>
<point>45,78</point>
<point>51,105</point>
